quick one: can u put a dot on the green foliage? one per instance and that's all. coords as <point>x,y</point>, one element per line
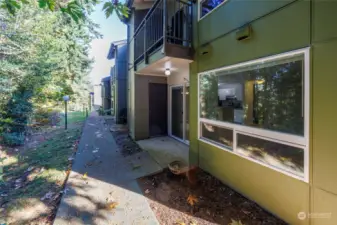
<point>76,9</point>
<point>13,138</point>
<point>11,5</point>
<point>209,96</point>
<point>44,56</point>
<point>121,9</point>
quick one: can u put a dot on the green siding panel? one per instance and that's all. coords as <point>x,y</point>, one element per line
<point>282,31</point>
<point>324,20</point>
<point>234,14</point>
<point>193,153</point>
<point>157,55</point>
<point>325,207</point>
<point>276,192</point>
<point>324,116</point>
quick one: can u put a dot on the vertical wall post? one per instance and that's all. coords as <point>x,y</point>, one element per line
<point>145,45</point>
<point>65,115</point>
<point>164,24</point>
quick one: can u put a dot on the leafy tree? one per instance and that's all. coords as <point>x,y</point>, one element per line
<point>76,9</point>
<point>44,56</point>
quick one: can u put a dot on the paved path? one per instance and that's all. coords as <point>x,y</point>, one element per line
<point>110,178</point>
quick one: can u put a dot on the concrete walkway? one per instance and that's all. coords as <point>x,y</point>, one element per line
<point>111,178</point>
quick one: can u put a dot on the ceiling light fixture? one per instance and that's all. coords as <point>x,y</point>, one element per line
<point>167,72</point>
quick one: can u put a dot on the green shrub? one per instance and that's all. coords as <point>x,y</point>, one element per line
<point>13,139</point>
<point>46,117</point>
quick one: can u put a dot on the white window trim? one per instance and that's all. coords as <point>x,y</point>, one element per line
<point>170,87</point>
<point>199,9</point>
<point>278,137</point>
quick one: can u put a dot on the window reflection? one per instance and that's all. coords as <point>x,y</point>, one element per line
<point>217,134</point>
<point>268,96</point>
<point>287,158</point>
<point>206,6</point>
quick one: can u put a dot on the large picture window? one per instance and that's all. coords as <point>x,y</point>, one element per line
<point>266,98</point>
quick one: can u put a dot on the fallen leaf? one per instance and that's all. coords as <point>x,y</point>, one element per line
<point>56,197</point>
<point>85,175</point>
<point>18,180</point>
<point>48,195</point>
<point>234,222</point>
<point>147,191</point>
<point>134,167</point>
<point>193,223</point>
<point>180,223</point>
<point>111,205</point>
<point>30,169</point>
<point>192,199</point>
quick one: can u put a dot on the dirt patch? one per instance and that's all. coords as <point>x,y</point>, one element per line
<point>123,140</point>
<point>175,201</point>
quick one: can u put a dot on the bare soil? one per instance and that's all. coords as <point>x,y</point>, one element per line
<point>211,202</point>
<point>123,140</point>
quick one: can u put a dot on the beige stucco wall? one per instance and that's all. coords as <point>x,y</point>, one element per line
<point>141,123</point>
<point>180,76</point>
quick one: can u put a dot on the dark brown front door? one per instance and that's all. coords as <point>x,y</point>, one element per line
<point>157,109</point>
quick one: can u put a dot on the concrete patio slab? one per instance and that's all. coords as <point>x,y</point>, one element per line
<point>165,150</point>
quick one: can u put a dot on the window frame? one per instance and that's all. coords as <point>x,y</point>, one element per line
<point>199,9</point>
<point>274,136</point>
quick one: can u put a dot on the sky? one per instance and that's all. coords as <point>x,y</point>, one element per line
<point>112,30</point>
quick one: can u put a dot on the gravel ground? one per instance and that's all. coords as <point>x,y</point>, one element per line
<point>175,201</point>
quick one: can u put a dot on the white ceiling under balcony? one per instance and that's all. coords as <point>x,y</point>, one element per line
<point>175,65</point>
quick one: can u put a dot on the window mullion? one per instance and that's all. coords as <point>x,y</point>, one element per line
<point>234,140</point>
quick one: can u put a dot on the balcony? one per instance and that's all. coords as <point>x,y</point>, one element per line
<point>167,27</point>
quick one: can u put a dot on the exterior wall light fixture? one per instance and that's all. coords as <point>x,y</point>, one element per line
<point>167,72</point>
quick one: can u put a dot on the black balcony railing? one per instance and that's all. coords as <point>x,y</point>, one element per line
<point>168,21</point>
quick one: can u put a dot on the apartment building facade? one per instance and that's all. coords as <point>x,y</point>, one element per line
<point>248,85</point>
<point>118,74</point>
<point>106,94</point>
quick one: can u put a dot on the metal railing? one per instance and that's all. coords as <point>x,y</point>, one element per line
<point>167,20</point>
